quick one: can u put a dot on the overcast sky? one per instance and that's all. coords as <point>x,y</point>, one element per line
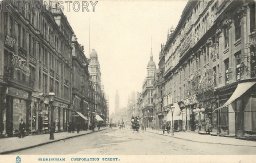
<point>121,33</point>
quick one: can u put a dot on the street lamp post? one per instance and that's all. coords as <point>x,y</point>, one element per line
<point>172,110</point>
<point>198,110</point>
<point>203,110</point>
<point>52,127</point>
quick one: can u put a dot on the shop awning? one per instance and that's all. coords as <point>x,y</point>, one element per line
<point>240,90</point>
<point>98,118</point>
<point>81,115</point>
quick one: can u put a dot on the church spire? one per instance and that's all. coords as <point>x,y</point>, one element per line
<point>151,53</point>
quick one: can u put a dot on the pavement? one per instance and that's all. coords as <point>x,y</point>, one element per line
<point>15,144</point>
<point>205,138</point>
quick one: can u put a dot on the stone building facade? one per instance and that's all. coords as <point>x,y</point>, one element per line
<point>148,109</point>
<point>210,67</point>
<point>80,86</point>
<point>100,109</point>
<point>36,59</point>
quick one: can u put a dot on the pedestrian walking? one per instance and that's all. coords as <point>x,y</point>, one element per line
<point>69,127</point>
<point>98,126</point>
<point>22,128</point>
<point>163,128</point>
<point>78,127</point>
<point>168,128</point>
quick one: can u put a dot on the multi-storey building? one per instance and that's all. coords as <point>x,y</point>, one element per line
<point>36,59</point>
<point>210,67</point>
<point>161,110</point>
<point>148,109</point>
<point>100,107</point>
<point>80,85</point>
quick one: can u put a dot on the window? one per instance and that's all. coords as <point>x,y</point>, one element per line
<point>57,88</point>
<point>34,48</point>
<point>32,76</point>
<point>66,93</point>
<point>29,44</point>
<point>24,39</point>
<point>215,76</point>
<point>51,60</point>
<point>226,63</point>
<point>19,35</point>
<point>39,52</point>
<point>5,22</point>
<point>238,65</point>
<point>18,74</point>
<point>237,29</point>
<point>39,79</point>
<point>51,85</point>
<point>252,17</point>
<point>45,83</point>
<point>45,57</point>
<point>226,37</point>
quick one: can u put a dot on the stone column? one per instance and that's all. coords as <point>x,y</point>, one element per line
<point>240,118</point>
<point>2,108</point>
<point>2,38</point>
<point>245,32</point>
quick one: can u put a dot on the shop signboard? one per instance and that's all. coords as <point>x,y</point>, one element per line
<point>17,93</point>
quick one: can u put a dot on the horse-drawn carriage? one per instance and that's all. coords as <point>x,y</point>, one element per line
<point>135,123</point>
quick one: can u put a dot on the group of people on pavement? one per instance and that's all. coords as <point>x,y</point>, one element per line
<point>72,127</point>
<point>166,127</point>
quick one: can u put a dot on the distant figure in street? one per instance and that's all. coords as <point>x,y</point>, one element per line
<point>22,128</point>
<point>168,128</point>
<point>163,128</point>
<point>78,127</point>
<point>98,126</point>
<point>69,127</point>
<point>92,126</point>
<point>72,127</point>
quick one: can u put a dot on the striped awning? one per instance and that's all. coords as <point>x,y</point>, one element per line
<point>240,90</point>
<point>98,118</point>
<point>81,115</point>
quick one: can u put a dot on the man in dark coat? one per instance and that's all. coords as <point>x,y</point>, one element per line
<point>22,128</point>
<point>78,127</point>
<point>168,128</point>
<point>163,127</point>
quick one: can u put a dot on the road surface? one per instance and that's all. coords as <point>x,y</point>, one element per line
<point>127,142</point>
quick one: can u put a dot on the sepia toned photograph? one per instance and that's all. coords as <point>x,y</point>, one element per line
<point>127,77</point>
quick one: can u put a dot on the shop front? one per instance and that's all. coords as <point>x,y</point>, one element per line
<point>60,116</point>
<point>190,104</point>
<point>33,116</point>
<point>17,109</point>
<point>236,117</point>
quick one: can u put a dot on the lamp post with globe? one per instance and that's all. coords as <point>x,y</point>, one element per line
<point>52,127</point>
<point>172,110</point>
